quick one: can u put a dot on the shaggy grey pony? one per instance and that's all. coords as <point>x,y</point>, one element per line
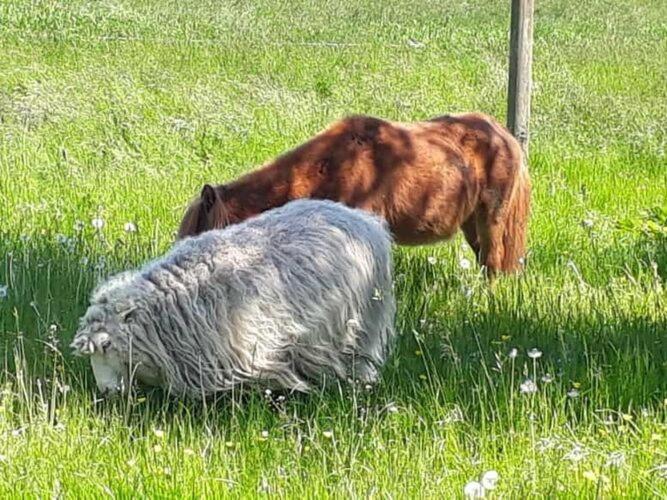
<point>287,299</point>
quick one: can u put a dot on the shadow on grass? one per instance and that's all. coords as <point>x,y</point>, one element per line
<point>453,351</point>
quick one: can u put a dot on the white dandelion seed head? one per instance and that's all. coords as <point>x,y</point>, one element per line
<point>534,353</point>
<point>587,223</point>
<point>130,227</point>
<point>265,434</point>
<point>97,223</point>
<point>465,264</point>
<point>490,479</point>
<point>545,444</point>
<point>547,378</point>
<point>268,392</point>
<point>576,454</point>
<point>522,261</point>
<point>4,291</point>
<point>432,260</point>
<point>573,393</point>
<point>528,387</point>
<point>473,489</point>
<point>328,434</point>
<point>514,352</point>
<point>615,459</point>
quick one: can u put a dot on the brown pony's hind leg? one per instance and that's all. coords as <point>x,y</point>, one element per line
<point>490,228</point>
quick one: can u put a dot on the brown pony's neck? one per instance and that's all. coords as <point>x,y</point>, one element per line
<point>262,189</point>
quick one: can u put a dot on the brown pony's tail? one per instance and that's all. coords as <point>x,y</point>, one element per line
<point>516,222</point>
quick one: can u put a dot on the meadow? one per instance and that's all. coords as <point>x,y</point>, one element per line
<point>112,116</point>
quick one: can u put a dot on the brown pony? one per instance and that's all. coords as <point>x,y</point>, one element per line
<point>427,179</point>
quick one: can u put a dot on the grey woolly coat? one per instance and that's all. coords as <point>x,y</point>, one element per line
<point>289,298</point>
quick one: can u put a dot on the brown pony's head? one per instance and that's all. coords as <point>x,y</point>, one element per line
<point>205,212</point>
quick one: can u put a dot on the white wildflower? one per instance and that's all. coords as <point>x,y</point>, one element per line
<point>265,434</point>
<point>465,264</point>
<point>545,444</point>
<point>473,490</point>
<point>587,223</point>
<point>130,227</point>
<point>4,291</point>
<point>576,454</point>
<point>514,352</point>
<point>534,353</point>
<point>328,434</point>
<point>490,479</point>
<point>432,260</point>
<point>97,223</point>
<point>573,393</point>
<point>616,459</point>
<point>547,378</point>
<point>528,387</point>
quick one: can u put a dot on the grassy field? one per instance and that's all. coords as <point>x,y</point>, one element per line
<point>120,110</point>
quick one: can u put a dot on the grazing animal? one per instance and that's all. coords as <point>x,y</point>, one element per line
<point>297,295</point>
<point>427,179</point>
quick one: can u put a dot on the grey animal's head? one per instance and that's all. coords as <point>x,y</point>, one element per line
<point>99,338</point>
<point>104,336</point>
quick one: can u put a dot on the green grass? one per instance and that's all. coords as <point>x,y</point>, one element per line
<point>121,110</point>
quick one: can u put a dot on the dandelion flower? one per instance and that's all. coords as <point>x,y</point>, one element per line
<point>265,434</point>
<point>534,353</point>
<point>615,459</point>
<point>432,260</point>
<point>573,393</point>
<point>98,223</point>
<point>391,408</point>
<point>159,433</point>
<point>157,448</point>
<point>490,479</point>
<point>230,444</point>
<point>473,490</point>
<point>4,291</point>
<point>547,378</point>
<point>514,352</point>
<point>130,227</point>
<point>576,454</point>
<point>465,264</point>
<point>528,387</point>
<point>328,434</point>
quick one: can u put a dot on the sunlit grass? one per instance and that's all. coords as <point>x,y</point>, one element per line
<point>113,114</point>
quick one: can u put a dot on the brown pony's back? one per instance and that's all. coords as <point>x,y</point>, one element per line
<point>427,179</point>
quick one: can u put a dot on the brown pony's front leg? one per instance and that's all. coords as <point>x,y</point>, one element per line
<point>469,228</point>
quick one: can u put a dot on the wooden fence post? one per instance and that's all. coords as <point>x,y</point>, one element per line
<point>521,56</point>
